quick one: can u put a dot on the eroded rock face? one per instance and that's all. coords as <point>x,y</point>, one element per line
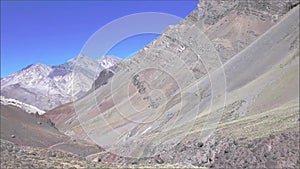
<point>274,151</point>
<point>104,77</point>
<point>233,25</point>
<point>213,11</point>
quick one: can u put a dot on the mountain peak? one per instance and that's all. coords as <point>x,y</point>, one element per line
<point>80,57</point>
<point>34,66</point>
<point>108,61</point>
<point>40,82</point>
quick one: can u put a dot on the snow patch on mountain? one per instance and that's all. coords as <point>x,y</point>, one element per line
<point>26,107</point>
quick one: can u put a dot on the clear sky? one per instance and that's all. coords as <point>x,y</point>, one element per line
<point>52,32</point>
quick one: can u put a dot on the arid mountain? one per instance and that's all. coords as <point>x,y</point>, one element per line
<point>49,86</point>
<point>25,129</point>
<point>229,71</point>
<point>31,141</point>
<point>218,90</point>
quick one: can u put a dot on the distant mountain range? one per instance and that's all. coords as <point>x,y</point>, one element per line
<point>49,86</point>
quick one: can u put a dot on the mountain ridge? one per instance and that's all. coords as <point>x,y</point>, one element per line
<point>218,90</point>
<point>49,86</point>
<point>251,84</point>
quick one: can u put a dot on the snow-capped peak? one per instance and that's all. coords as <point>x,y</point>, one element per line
<point>49,86</point>
<point>108,61</point>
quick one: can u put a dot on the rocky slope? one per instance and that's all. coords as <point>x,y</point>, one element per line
<point>49,86</point>
<point>32,130</point>
<point>28,157</point>
<point>218,90</point>
<point>233,25</point>
<point>36,143</point>
<point>15,156</point>
<point>177,89</point>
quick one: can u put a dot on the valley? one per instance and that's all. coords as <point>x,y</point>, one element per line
<point>218,90</point>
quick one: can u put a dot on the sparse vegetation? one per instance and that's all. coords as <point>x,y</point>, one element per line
<point>13,156</point>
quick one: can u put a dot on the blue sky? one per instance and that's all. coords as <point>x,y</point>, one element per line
<point>52,32</point>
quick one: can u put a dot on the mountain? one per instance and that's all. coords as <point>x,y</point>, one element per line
<point>218,90</point>
<point>46,86</point>
<point>32,130</point>
<point>221,85</point>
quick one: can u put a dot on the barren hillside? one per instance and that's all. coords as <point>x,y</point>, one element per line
<point>218,90</point>
<point>232,84</point>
